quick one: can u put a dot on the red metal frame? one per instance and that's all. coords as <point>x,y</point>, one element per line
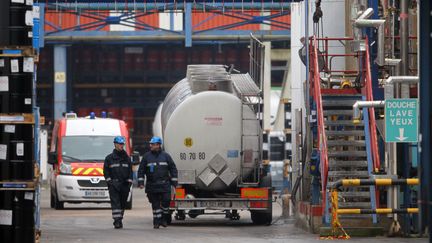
<point>372,123</point>
<point>317,95</point>
<point>322,141</point>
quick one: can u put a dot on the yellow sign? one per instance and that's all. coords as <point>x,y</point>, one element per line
<point>60,77</point>
<point>188,142</point>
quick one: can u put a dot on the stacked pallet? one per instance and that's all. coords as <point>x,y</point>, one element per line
<point>17,160</point>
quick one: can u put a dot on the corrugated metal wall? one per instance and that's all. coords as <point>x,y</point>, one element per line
<point>201,20</point>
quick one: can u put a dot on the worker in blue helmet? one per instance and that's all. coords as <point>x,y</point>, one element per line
<point>118,176</point>
<point>161,173</point>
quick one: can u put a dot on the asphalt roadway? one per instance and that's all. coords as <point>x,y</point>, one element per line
<point>93,223</point>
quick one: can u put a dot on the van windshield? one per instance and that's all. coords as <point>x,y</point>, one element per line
<point>86,148</point>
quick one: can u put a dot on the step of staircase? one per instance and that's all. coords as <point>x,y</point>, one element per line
<point>339,102</point>
<point>352,174</point>
<point>338,112</point>
<point>354,194</point>
<point>363,205</point>
<point>348,163</point>
<point>347,154</point>
<point>343,123</point>
<point>354,143</point>
<point>345,133</point>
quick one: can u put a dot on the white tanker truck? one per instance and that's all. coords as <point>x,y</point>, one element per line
<point>210,127</point>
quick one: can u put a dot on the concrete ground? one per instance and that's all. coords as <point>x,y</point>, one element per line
<point>92,223</point>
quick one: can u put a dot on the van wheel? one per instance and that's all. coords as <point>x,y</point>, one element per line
<point>57,203</point>
<point>129,204</point>
<point>52,201</point>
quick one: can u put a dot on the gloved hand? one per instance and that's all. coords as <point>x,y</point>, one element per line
<point>109,182</point>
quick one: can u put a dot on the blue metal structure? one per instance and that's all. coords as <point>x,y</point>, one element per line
<point>369,160</point>
<point>131,11</point>
<point>60,73</point>
<point>425,88</point>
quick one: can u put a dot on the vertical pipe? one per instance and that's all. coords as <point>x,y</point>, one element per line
<point>59,81</point>
<point>404,89</point>
<point>306,5</point>
<point>381,46</point>
<point>425,88</point>
<point>404,45</point>
<point>267,85</point>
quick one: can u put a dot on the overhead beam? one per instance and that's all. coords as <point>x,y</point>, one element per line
<point>216,35</point>
<point>169,5</point>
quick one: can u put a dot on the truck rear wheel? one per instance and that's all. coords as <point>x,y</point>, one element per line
<point>264,217</point>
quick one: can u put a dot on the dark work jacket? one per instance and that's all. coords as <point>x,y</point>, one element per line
<point>118,167</point>
<point>160,170</point>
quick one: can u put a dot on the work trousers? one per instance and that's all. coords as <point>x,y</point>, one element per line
<point>160,204</point>
<point>119,192</point>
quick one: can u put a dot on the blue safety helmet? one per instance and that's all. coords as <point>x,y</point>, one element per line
<point>119,140</point>
<point>156,139</point>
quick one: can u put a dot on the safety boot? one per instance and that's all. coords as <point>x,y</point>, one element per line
<point>118,224</point>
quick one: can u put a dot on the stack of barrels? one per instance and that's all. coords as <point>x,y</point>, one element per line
<point>17,205</point>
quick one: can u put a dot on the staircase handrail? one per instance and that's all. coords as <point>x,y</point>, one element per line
<point>372,122</point>
<point>322,139</point>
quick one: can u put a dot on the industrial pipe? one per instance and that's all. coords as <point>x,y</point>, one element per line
<point>377,211</point>
<point>362,21</point>
<point>361,104</point>
<point>379,24</point>
<point>392,61</point>
<point>402,79</point>
<point>366,14</point>
<point>375,182</point>
<point>389,89</point>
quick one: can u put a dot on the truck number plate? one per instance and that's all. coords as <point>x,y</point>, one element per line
<point>214,204</point>
<point>95,194</point>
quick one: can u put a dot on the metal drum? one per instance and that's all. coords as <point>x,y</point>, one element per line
<point>20,32</point>
<point>21,170</point>
<point>21,150</point>
<point>14,29</point>
<point>14,66</point>
<point>12,132</point>
<point>6,231</point>
<point>15,103</point>
<point>23,216</point>
<point>21,160</point>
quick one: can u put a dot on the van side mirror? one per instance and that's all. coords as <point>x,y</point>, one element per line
<point>52,158</point>
<point>135,158</point>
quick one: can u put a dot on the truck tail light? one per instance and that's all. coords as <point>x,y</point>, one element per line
<point>259,204</point>
<point>261,193</point>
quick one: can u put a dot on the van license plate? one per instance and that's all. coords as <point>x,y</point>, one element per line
<point>95,193</point>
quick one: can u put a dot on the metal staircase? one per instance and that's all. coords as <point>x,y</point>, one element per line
<point>347,150</point>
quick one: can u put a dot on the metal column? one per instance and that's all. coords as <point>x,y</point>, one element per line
<point>60,68</point>
<point>188,25</point>
<point>425,88</point>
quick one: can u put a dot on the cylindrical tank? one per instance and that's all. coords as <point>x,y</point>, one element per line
<point>203,132</point>
<point>157,126</point>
